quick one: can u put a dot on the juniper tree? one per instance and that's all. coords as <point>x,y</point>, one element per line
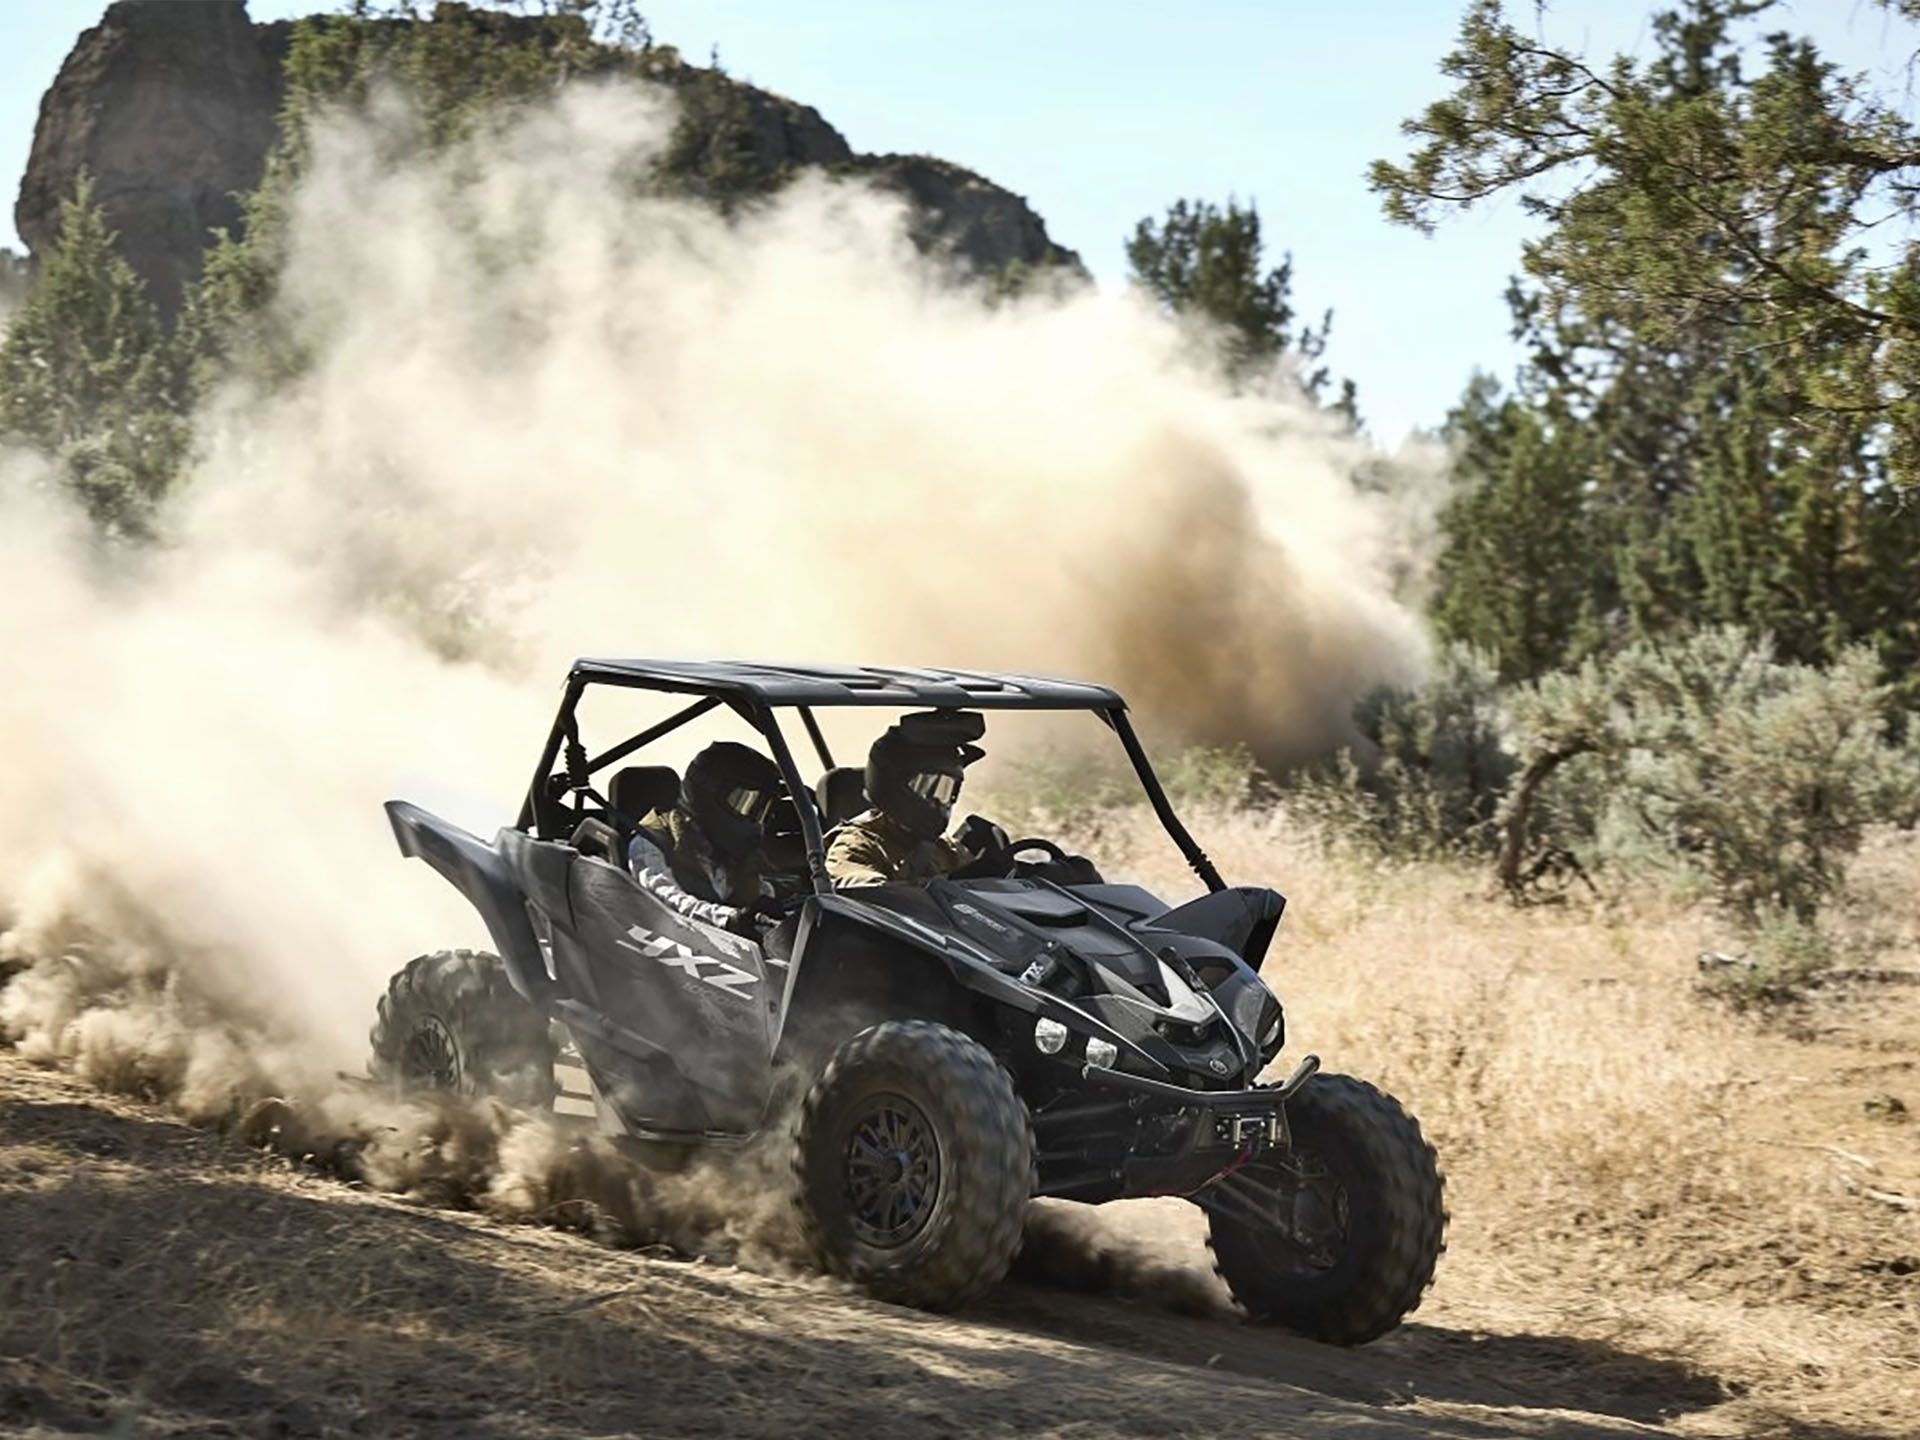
<point>1202,261</point>
<point>90,378</point>
<point>460,67</point>
<point>1724,297</point>
<point>13,282</point>
<point>1520,579</point>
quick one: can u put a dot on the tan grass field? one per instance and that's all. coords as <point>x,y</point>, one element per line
<point>1667,1217</point>
<point>1628,1162</point>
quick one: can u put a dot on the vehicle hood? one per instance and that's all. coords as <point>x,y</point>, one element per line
<point>1189,1002</point>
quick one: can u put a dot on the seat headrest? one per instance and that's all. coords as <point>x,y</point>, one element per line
<point>842,793</point>
<point>638,790</point>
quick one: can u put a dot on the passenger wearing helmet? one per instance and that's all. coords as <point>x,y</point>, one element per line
<point>914,774</point>
<point>702,857</point>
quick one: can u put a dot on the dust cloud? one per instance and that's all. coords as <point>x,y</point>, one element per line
<point>480,1155</point>
<point>544,412</point>
<point>1085,1250</point>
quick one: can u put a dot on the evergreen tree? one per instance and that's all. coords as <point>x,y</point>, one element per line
<point>1202,261</point>
<point>89,377</point>
<point>1702,309</point>
<point>14,282</point>
<point>1519,577</point>
<point>461,67</point>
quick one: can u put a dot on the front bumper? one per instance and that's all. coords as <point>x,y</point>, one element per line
<point>1174,1140</point>
<point>1257,1096</point>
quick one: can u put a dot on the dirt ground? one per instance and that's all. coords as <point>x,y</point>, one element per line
<point>161,1280</point>
<point>1669,1217</point>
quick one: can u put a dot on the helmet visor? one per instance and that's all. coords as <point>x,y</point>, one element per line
<point>749,803</point>
<point>942,787</point>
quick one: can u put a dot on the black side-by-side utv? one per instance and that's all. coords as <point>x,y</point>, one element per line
<point>964,1045</point>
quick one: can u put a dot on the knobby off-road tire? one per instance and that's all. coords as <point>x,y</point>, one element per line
<point>913,1159</point>
<point>1358,1218</point>
<point>452,1023</point>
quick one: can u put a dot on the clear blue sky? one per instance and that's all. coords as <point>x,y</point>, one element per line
<point>1103,111</point>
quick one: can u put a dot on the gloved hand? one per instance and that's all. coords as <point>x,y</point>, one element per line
<point>980,836</point>
<point>756,915</point>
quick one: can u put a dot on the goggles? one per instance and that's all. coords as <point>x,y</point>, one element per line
<point>749,803</point>
<point>940,786</point>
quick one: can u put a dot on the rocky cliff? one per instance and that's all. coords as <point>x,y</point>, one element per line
<point>172,105</point>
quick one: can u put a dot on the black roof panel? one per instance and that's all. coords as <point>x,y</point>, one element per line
<point>851,684</point>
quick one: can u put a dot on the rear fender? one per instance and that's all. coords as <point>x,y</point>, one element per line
<point>479,872</point>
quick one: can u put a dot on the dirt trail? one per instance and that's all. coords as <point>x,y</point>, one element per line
<point>157,1280</point>
<point>1668,1219</point>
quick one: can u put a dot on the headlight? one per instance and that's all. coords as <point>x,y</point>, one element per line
<point>1049,1036</point>
<point>1040,971</point>
<point>1273,1034</point>
<point>1257,1015</point>
<point>1102,1054</point>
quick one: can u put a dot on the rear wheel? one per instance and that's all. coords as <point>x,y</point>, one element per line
<point>914,1159</point>
<point>452,1023</point>
<point>1337,1236</point>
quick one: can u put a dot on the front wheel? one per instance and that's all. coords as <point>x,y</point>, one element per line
<point>914,1159</point>
<point>1335,1237</point>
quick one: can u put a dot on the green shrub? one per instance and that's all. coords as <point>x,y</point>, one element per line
<point>1430,771</point>
<point>1785,952</point>
<point>1706,763</point>
<point>1207,776</point>
<point>1049,790</point>
<point>1711,758</point>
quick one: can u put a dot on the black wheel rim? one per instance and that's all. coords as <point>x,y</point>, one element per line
<point>1296,1208</point>
<point>430,1061</point>
<point>892,1170</point>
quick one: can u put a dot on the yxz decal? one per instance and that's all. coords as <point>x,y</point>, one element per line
<point>715,972</point>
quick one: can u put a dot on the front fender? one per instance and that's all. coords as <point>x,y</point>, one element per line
<point>1242,918</point>
<point>479,872</point>
<point>974,971</point>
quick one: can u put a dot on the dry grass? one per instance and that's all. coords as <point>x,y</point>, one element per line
<point>1625,1158</point>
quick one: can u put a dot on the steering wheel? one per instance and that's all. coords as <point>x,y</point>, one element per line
<point>1046,847</point>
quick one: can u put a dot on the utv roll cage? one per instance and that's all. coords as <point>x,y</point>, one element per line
<point>757,692</point>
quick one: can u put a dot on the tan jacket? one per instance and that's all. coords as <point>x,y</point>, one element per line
<point>872,849</point>
<point>672,860</point>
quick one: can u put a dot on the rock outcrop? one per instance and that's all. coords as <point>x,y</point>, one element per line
<point>172,107</point>
<point>961,214</point>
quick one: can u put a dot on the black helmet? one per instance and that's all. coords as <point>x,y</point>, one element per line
<point>915,768</point>
<point>729,790</point>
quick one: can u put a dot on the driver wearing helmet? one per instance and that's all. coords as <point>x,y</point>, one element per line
<point>701,857</point>
<point>914,773</point>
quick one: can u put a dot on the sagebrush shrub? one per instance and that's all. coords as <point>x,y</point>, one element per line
<point>1709,755</point>
<point>1429,771</point>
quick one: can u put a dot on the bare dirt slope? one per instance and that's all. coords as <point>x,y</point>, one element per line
<point>159,1280</point>
<point>1669,1217</point>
